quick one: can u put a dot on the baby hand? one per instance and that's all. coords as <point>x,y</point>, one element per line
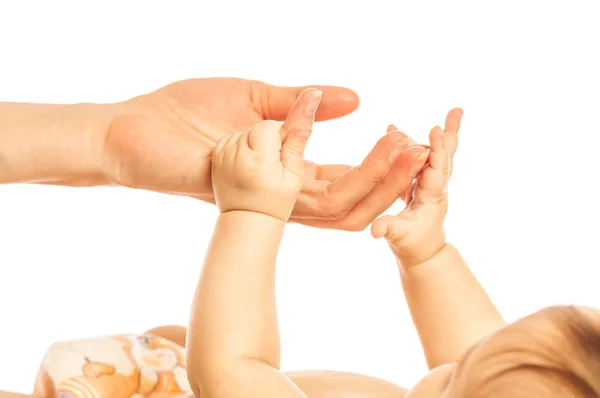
<point>260,170</point>
<point>417,233</point>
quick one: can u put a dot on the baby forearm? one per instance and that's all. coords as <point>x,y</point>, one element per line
<point>234,313</point>
<point>449,307</point>
<point>53,144</point>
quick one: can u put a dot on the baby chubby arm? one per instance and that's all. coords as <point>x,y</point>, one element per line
<point>450,309</point>
<point>233,339</point>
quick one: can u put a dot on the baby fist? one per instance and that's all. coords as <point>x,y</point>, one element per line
<point>260,170</point>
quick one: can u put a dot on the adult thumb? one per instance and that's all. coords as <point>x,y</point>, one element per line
<point>297,128</point>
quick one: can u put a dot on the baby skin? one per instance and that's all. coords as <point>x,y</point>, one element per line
<point>233,345</point>
<point>233,340</point>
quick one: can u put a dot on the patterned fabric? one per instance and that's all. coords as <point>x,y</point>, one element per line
<point>126,366</point>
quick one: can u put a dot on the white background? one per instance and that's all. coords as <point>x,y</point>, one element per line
<point>82,262</point>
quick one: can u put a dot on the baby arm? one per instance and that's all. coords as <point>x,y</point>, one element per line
<point>233,339</point>
<point>450,309</point>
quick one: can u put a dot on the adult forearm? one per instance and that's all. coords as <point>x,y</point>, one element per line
<point>234,314</point>
<point>53,144</point>
<point>6,394</point>
<point>449,307</point>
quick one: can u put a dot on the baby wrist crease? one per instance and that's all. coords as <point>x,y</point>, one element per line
<point>253,212</point>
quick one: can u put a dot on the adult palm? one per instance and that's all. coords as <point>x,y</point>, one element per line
<point>163,141</point>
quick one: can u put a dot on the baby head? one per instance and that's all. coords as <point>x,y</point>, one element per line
<point>552,353</point>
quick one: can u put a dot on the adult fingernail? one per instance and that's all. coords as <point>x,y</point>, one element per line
<point>423,157</point>
<point>420,162</point>
<point>391,128</point>
<point>313,101</point>
<point>400,147</point>
<point>418,148</point>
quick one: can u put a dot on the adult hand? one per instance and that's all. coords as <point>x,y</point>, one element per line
<point>350,198</point>
<point>163,141</point>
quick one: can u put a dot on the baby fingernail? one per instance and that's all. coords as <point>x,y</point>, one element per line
<point>313,101</point>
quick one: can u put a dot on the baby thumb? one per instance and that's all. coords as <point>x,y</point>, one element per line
<point>390,228</point>
<point>265,138</point>
<point>297,129</point>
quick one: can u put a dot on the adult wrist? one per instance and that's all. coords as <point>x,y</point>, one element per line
<point>54,144</point>
<point>91,123</point>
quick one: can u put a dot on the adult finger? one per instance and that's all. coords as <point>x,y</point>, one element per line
<point>334,200</point>
<point>392,128</point>
<point>406,196</point>
<point>332,172</point>
<point>314,175</point>
<point>302,113</point>
<point>274,102</point>
<point>397,183</point>
<point>382,197</point>
<point>347,191</point>
<point>297,129</point>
